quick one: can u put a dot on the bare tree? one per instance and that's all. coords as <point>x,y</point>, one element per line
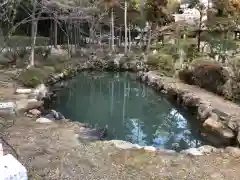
<point>125,26</point>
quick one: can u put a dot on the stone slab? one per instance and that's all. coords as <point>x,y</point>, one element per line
<point>11,168</point>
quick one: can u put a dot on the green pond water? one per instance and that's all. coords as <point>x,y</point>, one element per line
<point>131,110</point>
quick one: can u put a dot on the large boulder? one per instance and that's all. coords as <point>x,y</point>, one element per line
<point>213,125</point>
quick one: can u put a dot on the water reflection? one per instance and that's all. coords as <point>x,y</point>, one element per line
<point>131,110</point>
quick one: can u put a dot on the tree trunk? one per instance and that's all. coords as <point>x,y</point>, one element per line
<point>100,37</point>
<point>55,33</point>
<point>112,22</point>
<point>149,40</point>
<point>33,34</point>
<point>120,37</point>
<point>125,26</point>
<point>199,32</point>
<point>68,39</point>
<point>129,35</point>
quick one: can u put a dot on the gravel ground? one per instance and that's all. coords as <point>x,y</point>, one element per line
<point>52,151</point>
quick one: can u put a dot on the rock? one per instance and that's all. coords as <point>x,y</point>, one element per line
<point>11,168</point>
<point>168,151</point>
<point>233,151</point>
<point>192,151</point>
<point>35,112</point>
<point>234,123</point>
<point>219,128</point>
<point>92,134</point>
<point>82,124</point>
<point>40,91</point>
<point>50,116</point>
<point>149,148</point>
<point>124,144</point>
<point>23,91</point>
<point>7,108</point>
<point>57,115</point>
<point>43,120</point>
<point>29,115</point>
<point>206,149</point>
<point>238,135</point>
<point>214,116</point>
<point>117,60</point>
<point>204,111</point>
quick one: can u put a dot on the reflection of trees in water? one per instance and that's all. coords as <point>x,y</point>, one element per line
<point>177,132</point>
<point>133,110</point>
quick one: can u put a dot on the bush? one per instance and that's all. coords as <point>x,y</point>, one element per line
<point>48,69</point>
<point>32,77</point>
<point>161,61</point>
<point>14,56</point>
<point>51,60</point>
<point>59,68</point>
<point>209,75</point>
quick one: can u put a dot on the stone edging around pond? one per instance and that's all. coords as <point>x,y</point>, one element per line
<point>223,126</point>
<point>223,122</point>
<point>203,150</point>
<point>200,151</point>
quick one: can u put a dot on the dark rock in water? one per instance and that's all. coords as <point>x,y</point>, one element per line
<point>55,115</point>
<point>92,134</point>
<point>49,116</point>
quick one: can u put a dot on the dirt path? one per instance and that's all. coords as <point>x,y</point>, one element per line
<point>218,103</point>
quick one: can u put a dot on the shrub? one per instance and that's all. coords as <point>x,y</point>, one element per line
<point>128,58</point>
<point>32,77</point>
<point>48,69</point>
<point>59,67</point>
<point>161,61</point>
<point>209,75</point>
<point>186,75</point>
<point>51,60</point>
<point>15,56</point>
<point>4,61</point>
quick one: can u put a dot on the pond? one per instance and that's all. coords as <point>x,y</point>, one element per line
<point>131,110</point>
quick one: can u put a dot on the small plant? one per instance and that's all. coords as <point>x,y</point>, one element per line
<point>59,67</point>
<point>162,62</point>
<point>32,77</point>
